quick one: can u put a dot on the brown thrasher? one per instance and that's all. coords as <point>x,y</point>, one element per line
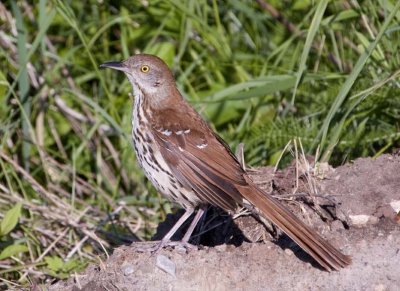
<point>191,165</point>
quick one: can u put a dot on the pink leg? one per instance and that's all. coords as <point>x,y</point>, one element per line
<point>166,240</point>
<point>177,225</point>
<point>192,226</point>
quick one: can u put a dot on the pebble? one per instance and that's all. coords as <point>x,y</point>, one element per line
<point>127,269</point>
<point>380,287</point>
<point>180,249</point>
<point>289,252</point>
<point>221,248</point>
<point>165,264</point>
<point>363,219</point>
<point>395,205</point>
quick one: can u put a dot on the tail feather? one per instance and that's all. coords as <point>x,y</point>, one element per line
<point>322,251</point>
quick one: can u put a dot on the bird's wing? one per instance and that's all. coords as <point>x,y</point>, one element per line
<point>198,158</point>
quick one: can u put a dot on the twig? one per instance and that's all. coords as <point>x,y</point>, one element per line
<point>278,16</point>
<point>45,252</point>
<point>294,30</point>
<point>76,247</point>
<point>33,182</point>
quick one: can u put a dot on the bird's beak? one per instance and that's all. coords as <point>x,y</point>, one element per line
<point>120,66</point>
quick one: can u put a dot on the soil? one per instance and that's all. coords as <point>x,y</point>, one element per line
<point>355,206</point>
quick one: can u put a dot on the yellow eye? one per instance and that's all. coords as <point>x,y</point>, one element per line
<point>145,69</point>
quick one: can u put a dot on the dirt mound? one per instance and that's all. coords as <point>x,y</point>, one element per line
<point>355,206</point>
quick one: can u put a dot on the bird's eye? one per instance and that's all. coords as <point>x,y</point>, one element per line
<point>145,69</point>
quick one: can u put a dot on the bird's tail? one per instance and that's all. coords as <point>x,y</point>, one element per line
<point>322,251</point>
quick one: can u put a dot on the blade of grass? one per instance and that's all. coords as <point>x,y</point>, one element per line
<point>309,40</point>
<point>23,82</point>
<point>260,87</point>
<point>348,84</point>
<point>122,20</point>
<point>100,110</point>
<point>67,13</point>
<point>359,97</point>
<point>38,40</point>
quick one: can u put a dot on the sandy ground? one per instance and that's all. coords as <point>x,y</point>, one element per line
<point>355,206</point>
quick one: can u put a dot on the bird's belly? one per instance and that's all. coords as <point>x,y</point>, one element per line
<point>159,173</point>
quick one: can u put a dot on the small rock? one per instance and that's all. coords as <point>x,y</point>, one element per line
<point>395,205</point>
<point>380,287</point>
<point>180,249</point>
<point>373,220</point>
<point>289,252</point>
<point>221,248</point>
<point>362,219</point>
<point>359,219</point>
<point>127,269</point>
<point>165,264</point>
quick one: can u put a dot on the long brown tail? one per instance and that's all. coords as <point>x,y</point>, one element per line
<point>322,251</point>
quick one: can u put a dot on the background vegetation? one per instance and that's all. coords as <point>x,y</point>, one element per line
<point>262,72</point>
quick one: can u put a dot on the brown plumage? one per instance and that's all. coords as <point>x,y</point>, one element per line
<point>191,165</point>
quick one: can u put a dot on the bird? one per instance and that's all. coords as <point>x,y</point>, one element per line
<point>193,166</point>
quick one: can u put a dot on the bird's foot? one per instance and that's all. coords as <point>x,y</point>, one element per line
<point>182,246</point>
<point>154,247</point>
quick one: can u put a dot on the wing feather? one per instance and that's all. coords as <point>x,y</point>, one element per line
<point>201,163</point>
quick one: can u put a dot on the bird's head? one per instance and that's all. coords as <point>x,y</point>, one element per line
<point>146,73</point>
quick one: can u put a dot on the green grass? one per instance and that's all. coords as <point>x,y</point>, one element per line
<point>70,188</point>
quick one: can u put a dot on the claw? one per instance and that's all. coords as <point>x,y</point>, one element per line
<point>155,247</point>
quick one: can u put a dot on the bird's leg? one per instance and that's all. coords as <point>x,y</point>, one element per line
<point>177,225</point>
<point>166,240</point>
<point>184,243</point>
<point>192,226</point>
